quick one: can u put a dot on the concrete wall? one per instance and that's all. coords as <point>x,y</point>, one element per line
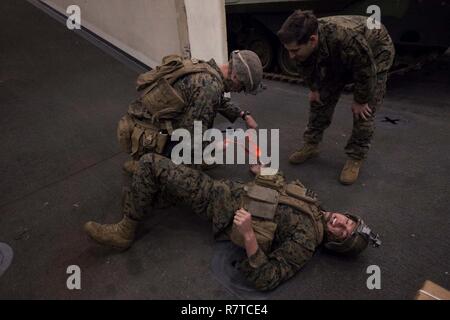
<point>207,29</point>
<point>151,29</point>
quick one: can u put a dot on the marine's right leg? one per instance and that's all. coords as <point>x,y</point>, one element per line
<point>158,176</point>
<point>320,117</point>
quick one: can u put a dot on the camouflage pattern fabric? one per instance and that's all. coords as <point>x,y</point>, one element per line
<point>217,201</point>
<point>204,95</point>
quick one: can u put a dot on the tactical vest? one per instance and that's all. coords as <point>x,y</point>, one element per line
<point>148,123</point>
<point>262,197</point>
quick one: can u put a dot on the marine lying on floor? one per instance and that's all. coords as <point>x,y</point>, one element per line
<point>279,224</point>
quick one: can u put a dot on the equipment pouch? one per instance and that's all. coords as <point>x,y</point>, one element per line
<point>161,98</point>
<point>260,201</point>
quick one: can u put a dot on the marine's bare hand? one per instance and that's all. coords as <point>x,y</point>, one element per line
<point>243,222</point>
<point>361,111</point>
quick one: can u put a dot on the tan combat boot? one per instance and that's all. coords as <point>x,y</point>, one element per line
<point>350,172</point>
<point>119,235</point>
<point>308,151</point>
<point>130,166</point>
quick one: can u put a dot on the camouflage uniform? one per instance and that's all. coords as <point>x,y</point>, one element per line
<point>348,52</point>
<point>217,200</point>
<point>204,97</point>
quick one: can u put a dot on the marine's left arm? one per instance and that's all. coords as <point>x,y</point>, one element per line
<point>229,110</point>
<point>266,272</point>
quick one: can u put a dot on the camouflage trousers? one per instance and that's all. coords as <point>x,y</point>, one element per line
<point>159,178</point>
<point>321,115</point>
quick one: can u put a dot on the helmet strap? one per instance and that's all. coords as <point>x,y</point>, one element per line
<point>248,69</point>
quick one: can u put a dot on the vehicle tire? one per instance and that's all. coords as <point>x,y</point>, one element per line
<point>261,44</point>
<point>287,65</point>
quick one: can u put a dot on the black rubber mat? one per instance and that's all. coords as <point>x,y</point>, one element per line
<point>6,257</point>
<point>224,267</point>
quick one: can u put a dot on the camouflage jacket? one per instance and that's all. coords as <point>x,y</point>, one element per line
<point>348,52</point>
<point>204,96</point>
<point>294,244</point>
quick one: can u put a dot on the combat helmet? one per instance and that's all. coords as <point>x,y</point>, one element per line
<point>248,68</point>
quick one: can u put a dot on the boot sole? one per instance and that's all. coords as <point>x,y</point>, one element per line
<point>109,245</point>
<point>130,173</point>
<point>125,247</point>
<point>346,183</point>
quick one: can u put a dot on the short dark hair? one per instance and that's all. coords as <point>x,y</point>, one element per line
<point>299,27</point>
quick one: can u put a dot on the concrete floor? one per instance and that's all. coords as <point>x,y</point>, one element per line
<point>60,165</point>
